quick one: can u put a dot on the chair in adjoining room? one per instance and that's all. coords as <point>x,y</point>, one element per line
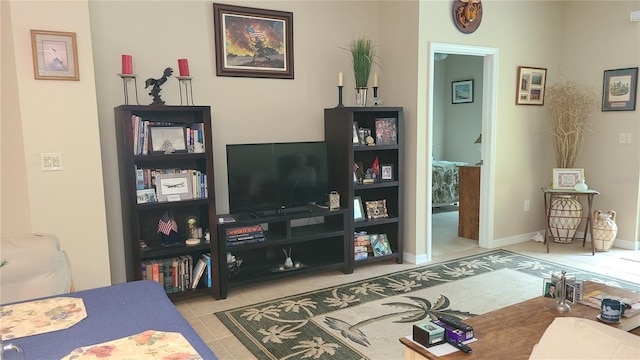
<point>33,266</point>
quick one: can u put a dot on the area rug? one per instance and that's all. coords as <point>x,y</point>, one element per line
<point>365,319</point>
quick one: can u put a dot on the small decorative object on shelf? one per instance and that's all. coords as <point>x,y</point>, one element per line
<point>155,90</point>
<point>288,263</point>
<point>581,185</point>
<point>192,231</point>
<point>561,291</point>
<point>168,230</point>
<point>334,201</point>
<point>604,230</point>
<point>376,209</point>
<point>363,55</point>
<point>376,100</point>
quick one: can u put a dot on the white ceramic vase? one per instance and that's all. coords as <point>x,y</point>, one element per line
<point>604,230</point>
<point>564,217</point>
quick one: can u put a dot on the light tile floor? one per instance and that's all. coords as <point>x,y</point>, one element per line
<point>200,311</point>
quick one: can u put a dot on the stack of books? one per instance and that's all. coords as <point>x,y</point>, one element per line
<point>361,246</point>
<point>244,235</point>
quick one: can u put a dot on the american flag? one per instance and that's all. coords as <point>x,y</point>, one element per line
<point>255,35</point>
<point>165,226</point>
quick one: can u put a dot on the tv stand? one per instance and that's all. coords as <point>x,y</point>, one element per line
<point>319,239</point>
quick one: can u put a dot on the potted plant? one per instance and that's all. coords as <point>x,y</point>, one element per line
<point>363,56</point>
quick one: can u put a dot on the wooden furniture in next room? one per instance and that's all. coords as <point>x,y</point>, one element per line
<point>528,319</point>
<point>469,194</point>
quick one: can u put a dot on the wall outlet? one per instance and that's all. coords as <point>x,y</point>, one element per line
<point>51,161</point>
<point>526,205</point>
<point>625,138</point>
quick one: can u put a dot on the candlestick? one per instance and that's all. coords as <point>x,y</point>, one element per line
<point>375,90</point>
<point>340,95</point>
<point>188,89</point>
<point>376,99</point>
<point>126,78</point>
<point>127,64</point>
<point>375,81</point>
<point>183,66</point>
<point>340,78</point>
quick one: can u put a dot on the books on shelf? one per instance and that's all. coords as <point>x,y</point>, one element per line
<point>194,134</point>
<point>146,183</point>
<point>198,270</point>
<point>244,235</point>
<point>361,246</point>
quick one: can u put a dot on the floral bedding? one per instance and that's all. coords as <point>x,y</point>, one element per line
<point>445,182</point>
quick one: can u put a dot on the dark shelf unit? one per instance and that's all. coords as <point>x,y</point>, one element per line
<point>343,154</point>
<point>140,221</point>
<point>318,239</point>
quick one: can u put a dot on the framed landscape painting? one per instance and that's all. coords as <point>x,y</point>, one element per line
<point>462,92</point>
<point>619,89</point>
<point>253,42</point>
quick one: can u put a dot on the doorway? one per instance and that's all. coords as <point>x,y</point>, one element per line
<point>489,98</point>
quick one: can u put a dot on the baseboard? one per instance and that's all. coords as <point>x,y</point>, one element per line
<point>619,243</point>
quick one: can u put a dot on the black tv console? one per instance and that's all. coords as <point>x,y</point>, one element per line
<point>317,238</point>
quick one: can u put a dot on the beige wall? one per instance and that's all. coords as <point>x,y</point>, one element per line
<point>157,33</point>
<point>59,117</point>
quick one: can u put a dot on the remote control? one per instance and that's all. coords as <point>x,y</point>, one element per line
<point>458,344</point>
<point>454,322</point>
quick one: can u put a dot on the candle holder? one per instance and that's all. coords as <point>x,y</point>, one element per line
<point>188,90</point>
<point>126,78</point>
<point>340,96</point>
<point>376,99</point>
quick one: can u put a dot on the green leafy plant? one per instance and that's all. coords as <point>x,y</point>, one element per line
<point>363,56</point>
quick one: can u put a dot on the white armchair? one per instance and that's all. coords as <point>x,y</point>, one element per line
<point>35,266</point>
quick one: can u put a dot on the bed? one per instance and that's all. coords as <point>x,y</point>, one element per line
<point>113,312</point>
<point>445,182</point>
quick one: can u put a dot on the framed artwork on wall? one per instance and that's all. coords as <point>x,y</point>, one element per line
<point>253,42</point>
<point>55,55</point>
<point>619,89</point>
<point>462,92</point>
<point>530,85</point>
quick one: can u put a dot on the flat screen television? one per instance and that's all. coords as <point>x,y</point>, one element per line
<point>272,178</point>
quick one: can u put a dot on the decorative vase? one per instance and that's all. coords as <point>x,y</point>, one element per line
<point>565,214</point>
<point>361,96</point>
<point>581,186</point>
<point>604,230</point>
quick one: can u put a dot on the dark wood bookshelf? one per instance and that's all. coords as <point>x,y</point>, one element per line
<point>140,221</point>
<point>343,154</point>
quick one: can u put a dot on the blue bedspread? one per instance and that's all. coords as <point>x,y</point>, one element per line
<point>114,312</point>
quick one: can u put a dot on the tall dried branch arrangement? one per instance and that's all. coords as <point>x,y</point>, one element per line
<point>570,106</point>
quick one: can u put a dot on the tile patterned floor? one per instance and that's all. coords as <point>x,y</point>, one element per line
<point>200,311</point>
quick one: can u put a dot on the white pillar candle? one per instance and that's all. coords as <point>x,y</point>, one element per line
<point>375,80</point>
<point>340,78</point>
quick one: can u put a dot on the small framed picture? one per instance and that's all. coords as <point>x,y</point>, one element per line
<point>146,196</point>
<point>530,85</point>
<point>619,89</point>
<point>570,293</point>
<point>358,210</point>
<point>376,209</point>
<point>549,289</point>
<point>356,139</point>
<point>167,139</point>
<point>173,187</point>
<point>386,172</point>
<point>55,55</point>
<point>386,131</point>
<point>462,92</point>
<point>567,178</point>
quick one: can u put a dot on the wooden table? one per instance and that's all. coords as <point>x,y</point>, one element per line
<point>511,332</point>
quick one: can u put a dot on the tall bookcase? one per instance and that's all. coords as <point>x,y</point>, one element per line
<point>140,219</point>
<point>344,152</point>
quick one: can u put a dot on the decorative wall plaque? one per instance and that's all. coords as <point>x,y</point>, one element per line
<point>467,15</point>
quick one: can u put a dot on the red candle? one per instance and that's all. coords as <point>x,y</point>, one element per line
<point>127,64</point>
<point>183,66</point>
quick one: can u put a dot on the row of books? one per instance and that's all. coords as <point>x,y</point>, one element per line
<point>244,235</point>
<point>141,139</point>
<point>375,244</point>
<point>146,183</point>
<point>178,274</point>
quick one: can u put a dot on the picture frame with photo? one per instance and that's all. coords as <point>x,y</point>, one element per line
<point>567,178</point>
<point>167,139</point>
<point>358,209</point>
<point>531,85</point>
<point>356,138</point>
<point>619,88</point>
<point>145,196</point>
<point>55,55</point>
<point>173,187</point>
<point>549,289</point>
<point>386,131</point>
<point>462,92</point>
<point>386,172</point>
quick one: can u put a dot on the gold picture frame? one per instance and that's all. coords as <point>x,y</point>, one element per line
<point>55,55</point>
<point>376,209</point>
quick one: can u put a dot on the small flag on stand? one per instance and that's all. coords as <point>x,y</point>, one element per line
<point>168,229</point>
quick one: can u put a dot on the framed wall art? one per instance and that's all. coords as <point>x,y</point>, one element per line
<point>462,92</point>
<point>167,139</point>
<point>530,85</point>
<point>253,42</point>
<point>55,55</point>
<point>173,187</point>
<point>619,89</point>
<point>567,178</point>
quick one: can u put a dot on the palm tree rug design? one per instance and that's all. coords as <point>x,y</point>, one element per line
<point>365,319</point>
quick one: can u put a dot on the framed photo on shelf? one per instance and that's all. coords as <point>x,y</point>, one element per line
<point>567,178</point>
<point>146,196</point>
<point>386,172</point>
<point>376,209</point>
<point>549,289</point>
<point>358,210</point>
<point>173,187</point>
<point>386,131</point>
<point>356,138</point>
<point>253,42</point>
<point>462,92</point>
<point>619,89</point>
<point>55,55</point>
<point>380,245</point>
<point>530,85</point>
<point>167,139</point>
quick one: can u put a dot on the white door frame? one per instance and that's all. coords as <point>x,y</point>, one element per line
<point>489,105</point>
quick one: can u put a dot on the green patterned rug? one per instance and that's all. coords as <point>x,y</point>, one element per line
<point>365,319</point>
